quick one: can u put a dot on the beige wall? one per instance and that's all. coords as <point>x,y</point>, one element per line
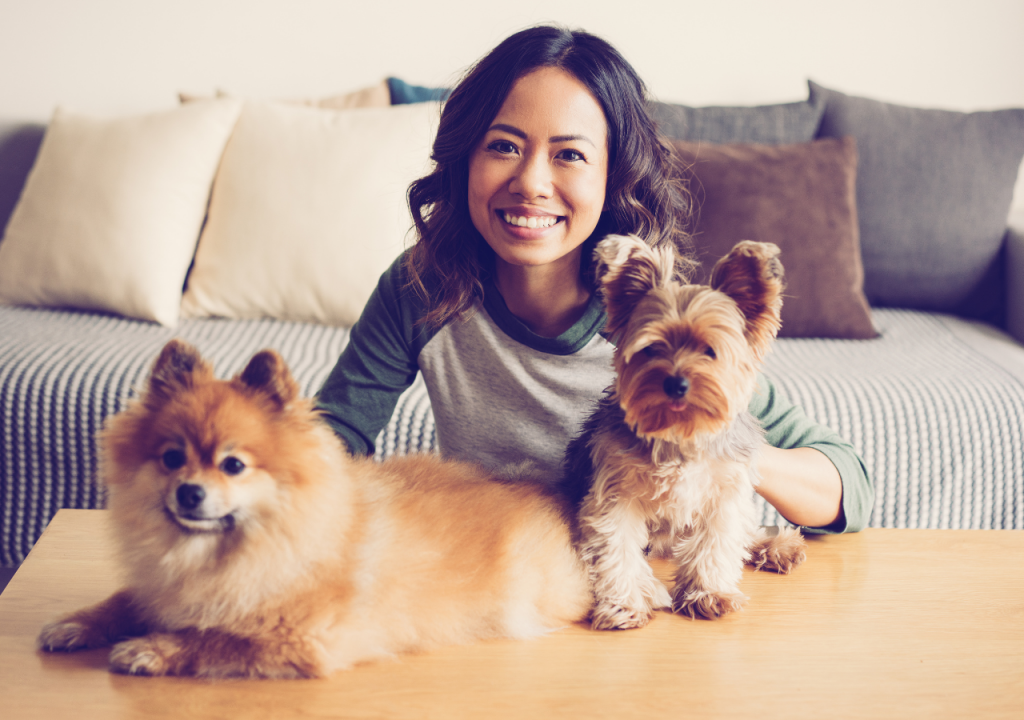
<point>117,56</point>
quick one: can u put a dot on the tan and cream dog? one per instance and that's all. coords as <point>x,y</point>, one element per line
<point>254,546</point>
<point>669,456</point>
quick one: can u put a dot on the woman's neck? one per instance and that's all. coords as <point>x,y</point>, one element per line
<point>548,299</point>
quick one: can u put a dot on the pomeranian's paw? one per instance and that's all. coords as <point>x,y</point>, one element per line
<point>709,605</point>
<point>68,635</point>
<point>140,656</point>
<point>607,616</point>
<point>781,552</point>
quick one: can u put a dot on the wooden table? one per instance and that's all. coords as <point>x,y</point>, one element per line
<point>885,623</point>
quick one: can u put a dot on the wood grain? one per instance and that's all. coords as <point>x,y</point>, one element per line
<point>884,623</point>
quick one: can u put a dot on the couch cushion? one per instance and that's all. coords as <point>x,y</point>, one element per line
<point>111,211</point>
<point>767,124</point>
<point>933,191</point>
<point>308,209</point>
<point>800,197</point>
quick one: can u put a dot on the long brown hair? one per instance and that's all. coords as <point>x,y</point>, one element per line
<point>642,196</point>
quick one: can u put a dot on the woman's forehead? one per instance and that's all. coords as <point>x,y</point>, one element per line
<point>552,104</point>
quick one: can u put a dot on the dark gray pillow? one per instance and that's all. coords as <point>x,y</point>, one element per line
<point>783,124</point>
<point>934,189</point>
<point>19,145</point>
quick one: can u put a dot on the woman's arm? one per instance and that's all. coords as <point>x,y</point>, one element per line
<point>376,366</point>
<point>810,474</point>
<point>802,484</point>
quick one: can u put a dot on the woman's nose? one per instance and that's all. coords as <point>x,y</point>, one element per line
<point>532,178</point>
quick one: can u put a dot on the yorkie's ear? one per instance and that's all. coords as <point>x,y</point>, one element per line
<point>628,269</point>
<point>752,276</point>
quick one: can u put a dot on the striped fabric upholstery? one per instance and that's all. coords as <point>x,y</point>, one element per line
<point>937,422</point>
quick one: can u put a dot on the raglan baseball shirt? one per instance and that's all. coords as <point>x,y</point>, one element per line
<point>502,394</point>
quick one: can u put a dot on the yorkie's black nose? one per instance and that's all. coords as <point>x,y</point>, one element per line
<point>676,387</point>
<point>190,496</point>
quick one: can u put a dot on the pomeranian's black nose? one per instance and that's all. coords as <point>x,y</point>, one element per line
<point>676,387</point>
<point>190,496</point>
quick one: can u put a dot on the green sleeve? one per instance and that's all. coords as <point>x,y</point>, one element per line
<point>377,365</point>
<point>787,426</point>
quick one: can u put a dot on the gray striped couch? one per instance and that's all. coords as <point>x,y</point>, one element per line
<point>935,406</point>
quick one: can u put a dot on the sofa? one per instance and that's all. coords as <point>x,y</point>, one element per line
<point>239,224</point>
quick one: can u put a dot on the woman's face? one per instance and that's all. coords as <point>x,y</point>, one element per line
<point>537,179</point>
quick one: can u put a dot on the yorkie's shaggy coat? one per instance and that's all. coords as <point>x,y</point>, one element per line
<point>670,453</point>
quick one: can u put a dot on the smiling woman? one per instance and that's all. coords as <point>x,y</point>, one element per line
<point>536,192</point>
<point>544,148</point>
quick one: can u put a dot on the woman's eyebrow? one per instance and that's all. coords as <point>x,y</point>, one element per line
<point>512,130</point>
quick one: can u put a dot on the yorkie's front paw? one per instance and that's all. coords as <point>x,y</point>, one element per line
<point>607,616</point>
<point>781,552</point>
<point>709,605</point>
<point>140,656</point>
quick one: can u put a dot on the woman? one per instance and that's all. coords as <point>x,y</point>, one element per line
<point>543,148</point>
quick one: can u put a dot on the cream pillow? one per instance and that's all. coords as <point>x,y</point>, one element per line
<point>308,209</point>
<point>111,212</point>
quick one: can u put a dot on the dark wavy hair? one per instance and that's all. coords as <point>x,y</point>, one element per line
<point>642,196</point>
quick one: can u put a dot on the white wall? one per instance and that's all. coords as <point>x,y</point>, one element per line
<point>118,56</point>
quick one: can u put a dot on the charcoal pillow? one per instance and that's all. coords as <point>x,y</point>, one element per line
<point>934,188</point>
<point>768,124</point>
<point>800,197</point>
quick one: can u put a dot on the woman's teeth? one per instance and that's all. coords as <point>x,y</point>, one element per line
<point>533,221</point>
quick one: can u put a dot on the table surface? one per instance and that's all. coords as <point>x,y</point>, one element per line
<point>883,623</point>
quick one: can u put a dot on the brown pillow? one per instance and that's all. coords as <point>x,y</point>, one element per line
<point>800,197</point>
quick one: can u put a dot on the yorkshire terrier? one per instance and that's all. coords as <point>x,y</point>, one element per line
<point>670,453</point>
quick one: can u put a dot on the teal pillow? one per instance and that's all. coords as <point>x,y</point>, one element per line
<point>402,93</point>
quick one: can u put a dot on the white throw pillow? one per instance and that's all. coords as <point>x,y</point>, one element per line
<point>308,209</point>
<point>111,212</point>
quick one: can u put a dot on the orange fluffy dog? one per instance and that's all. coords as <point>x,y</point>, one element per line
<point>256,547</point>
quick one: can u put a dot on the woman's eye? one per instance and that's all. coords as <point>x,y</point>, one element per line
<point>571,155</point>
<point>174,459</point>
<point>502,146</point>
<point>231,466</point>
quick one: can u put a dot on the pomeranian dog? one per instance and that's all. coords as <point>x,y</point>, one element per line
<point>255,546</point>
<point>668,460</point>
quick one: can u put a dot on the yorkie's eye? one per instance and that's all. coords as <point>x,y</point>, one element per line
<point>174,459</point>
<point>710,352</point>
<point>231,465</point>
<point>648,351</point>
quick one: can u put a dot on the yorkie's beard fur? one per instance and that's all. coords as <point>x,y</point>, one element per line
<point>667,460</point>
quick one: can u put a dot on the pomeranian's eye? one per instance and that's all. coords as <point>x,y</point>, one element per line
<point>174,459</point>
<point>710,352</point>
<point>231,466</point>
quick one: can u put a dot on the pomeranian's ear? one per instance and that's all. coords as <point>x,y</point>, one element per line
<point>268,374</point>
<point>751,274</point>
<point>627,269</point>
<point>177,368</point>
